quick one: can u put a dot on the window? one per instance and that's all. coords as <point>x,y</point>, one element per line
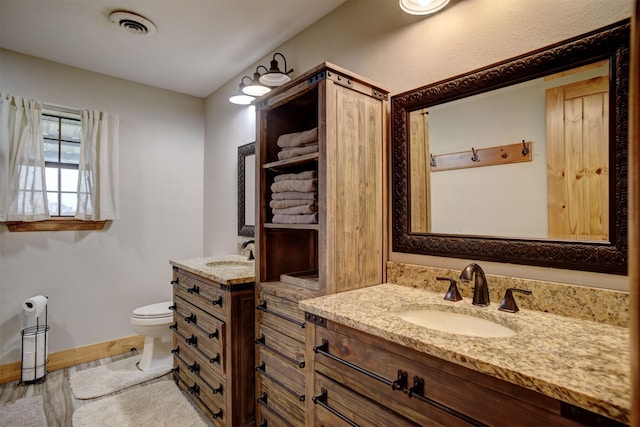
<point>61,159</point>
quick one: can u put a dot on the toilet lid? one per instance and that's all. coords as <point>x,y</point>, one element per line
<point>160,309</point>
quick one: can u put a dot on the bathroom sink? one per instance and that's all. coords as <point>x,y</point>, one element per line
<point>455,323</point>
<point>232,264</point>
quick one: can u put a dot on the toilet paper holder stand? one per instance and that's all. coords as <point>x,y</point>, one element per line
<point>35,351</point>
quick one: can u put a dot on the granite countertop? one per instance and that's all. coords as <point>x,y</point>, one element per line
<point>581,362</point>
<point>227,270</point>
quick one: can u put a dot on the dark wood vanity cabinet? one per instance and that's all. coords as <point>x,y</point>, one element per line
<point>213,347</point>
<point>345,249</point>
<point>359,379</point>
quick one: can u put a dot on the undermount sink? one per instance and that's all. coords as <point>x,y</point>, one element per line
<point>455,323</point>
<point>231,264</point>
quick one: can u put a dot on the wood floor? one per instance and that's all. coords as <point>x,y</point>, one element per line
<point>59,402</point>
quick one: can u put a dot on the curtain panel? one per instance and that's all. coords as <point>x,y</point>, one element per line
<point>23,195</point>
<point>98,169</point>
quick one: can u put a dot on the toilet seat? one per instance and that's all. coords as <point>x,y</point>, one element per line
<point>153,311</point>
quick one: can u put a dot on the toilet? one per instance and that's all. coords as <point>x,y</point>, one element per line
<point>153,321</point>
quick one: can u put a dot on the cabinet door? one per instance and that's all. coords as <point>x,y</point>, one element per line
<point>353,226</point>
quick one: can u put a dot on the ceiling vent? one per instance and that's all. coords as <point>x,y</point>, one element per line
<point>133,23</point>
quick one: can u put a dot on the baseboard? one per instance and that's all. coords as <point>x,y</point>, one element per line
<point>75,356</point>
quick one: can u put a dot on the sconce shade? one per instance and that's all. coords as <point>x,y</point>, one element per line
<point>274,77</point>
<point>255,88</point>
<point>422,7</point>
<point>241,98</point>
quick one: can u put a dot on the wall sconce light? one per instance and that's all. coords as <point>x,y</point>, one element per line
<point>241,98</point>
<point>422,7</point>
<point>274,77</point>
<point>255,88</point>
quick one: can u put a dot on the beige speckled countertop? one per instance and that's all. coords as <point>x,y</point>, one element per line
<point>228,270</point>
<point>581,362</point>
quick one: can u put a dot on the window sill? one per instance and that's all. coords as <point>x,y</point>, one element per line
<point>58,224</point>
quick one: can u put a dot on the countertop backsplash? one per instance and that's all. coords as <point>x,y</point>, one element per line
<point>581,302</point>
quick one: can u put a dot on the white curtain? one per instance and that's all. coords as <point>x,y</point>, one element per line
<point>23,196</point>
<point>98,169</point>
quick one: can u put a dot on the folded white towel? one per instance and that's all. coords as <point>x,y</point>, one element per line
<point>295,152</point>
<point>298,138</point>
<point>301,185</point>
<point>296,219</point>
<point>301,175</point>
<point>282,204</point>
<point>296,210</point>
<point>295,195</point>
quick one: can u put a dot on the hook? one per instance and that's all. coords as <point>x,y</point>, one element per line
<point>432,162</point>
<point>474,158</point>
<point>525,150</point>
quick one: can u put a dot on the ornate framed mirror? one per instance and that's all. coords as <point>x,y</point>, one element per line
<point>246,189</point>
<point>548,209</point>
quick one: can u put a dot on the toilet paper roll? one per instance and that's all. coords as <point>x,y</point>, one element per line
<point>35,305</point>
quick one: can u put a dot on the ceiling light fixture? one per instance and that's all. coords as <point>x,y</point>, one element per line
<point>241,98</point>
<point>255,88</point>
<point>422,7</point>
<point>132,22</point>
<point>274,77</point>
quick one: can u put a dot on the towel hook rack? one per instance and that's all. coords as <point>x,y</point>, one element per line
<point>474,158</point>
<point>525,150</point>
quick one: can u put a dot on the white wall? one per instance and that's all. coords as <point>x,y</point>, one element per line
<point>94,279</point>
<point>375,39</point>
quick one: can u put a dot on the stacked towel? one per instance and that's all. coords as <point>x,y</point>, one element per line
<point>294,198</point>
<point>298,143</point>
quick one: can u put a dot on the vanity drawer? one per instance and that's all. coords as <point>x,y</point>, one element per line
<point>270,418</point>
<point>289,376</point>
<point>448,394</point>
<point>195,362</point>
<point>211,398</point>
<point>279,343</point>
<point>335,404</point>
<point>208,349</point>
<point>282,315</point>
<point>199,319</point>
<point>209,297</point>
<point>284,404</point>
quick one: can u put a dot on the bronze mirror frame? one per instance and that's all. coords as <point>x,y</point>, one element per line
<point>243,152</point>
<point>612,43</point>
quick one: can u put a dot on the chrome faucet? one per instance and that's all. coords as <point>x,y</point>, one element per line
<point>480,288</point>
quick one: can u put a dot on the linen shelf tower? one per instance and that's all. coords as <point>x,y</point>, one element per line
<point>345,250</point>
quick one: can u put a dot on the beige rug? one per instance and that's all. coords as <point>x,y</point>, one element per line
<point>25,412</point>
<point>154,405</point>
<point>112,377</point>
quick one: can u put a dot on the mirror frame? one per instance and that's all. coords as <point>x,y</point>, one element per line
<point>243,152</point>
<point>611,42</point>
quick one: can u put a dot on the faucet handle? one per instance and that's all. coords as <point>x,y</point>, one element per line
<point>509,302</point>
<point>452,294</point>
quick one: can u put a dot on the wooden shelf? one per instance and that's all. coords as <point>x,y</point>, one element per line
<point>299,160</point>
<point>293,226</point>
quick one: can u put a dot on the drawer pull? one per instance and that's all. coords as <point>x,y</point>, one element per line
<point>401,382</point>
<point>322,401</point>
<point>217,301</point>
<point>176,281</point>
<point>324,350</point>
<point>262,400</point>
<point>191,319</point>
<point>194,389</point>
<point>263,370</point>
<point>176,370</point>
<point>174,326</point>
<point>215,334</point>
<point>263,307</point>
<point>193,340</point>
<point>264,424</point>
<point>172,307</point>
<point>261,341</point>
<point>195,289</point>
<point>195,368</point>
<point>217,390</point>
<point>216,414</point>
<point>175,350</point>
<point>215,359</point>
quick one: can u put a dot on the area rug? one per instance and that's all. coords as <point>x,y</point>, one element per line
<point>154,405</point>
<point>25,412</point>
<point>112,377</point>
